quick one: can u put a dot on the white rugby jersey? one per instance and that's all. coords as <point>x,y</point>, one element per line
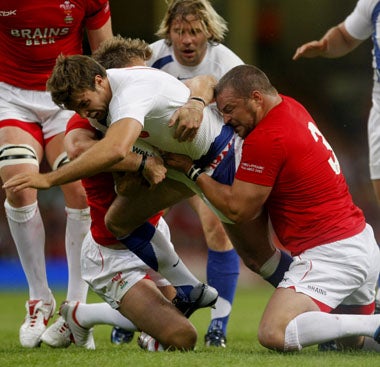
<point>364,22</point>
<point>218,60</point>
<point>151,97</point>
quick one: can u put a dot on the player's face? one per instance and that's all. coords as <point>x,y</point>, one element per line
<point>189,40</point>
<point>238,112</point>
<point>94,103</point>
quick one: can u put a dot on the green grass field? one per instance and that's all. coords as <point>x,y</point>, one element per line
<point>242,350</point>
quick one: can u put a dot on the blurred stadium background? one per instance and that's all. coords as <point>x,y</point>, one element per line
<point>265,33</point>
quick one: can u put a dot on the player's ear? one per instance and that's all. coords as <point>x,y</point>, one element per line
<point>100,82</point>
<point>256,96</point>
<point>98,79</point>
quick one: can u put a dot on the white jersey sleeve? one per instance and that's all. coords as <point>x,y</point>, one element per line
<point>362,22</point>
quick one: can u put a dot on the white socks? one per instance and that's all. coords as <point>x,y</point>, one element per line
<point>316,327</point>
<point>170,265</point>
<point>77,226</point>
<point>28,233</point>
<point>27,229</point>
<point>89,315</point>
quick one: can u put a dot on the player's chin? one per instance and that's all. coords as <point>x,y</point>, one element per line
<point>241,132</point>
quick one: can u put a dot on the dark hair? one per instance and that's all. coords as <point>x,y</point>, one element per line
<point>243,80</point>
<point>71,76</point>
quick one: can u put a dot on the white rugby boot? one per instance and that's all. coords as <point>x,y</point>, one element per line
<point>148,343</point>
<point>38,314</point>
<point>81,336</point>
<point>58,334</point>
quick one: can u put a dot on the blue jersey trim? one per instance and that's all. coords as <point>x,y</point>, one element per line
<point>225,171</point>
<point>160,63</point>
<point>376,48</point>
<point>216,147</point>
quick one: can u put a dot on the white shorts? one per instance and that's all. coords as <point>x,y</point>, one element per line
<point>374,134</point>
<point>339,273</point>
<point>33,107</point>
<point>111,273</point>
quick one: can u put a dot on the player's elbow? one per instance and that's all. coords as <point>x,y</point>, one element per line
<point>74,150</point>
<point>236,218</point>
<point>240,214</point>
<point>118,153</point>
<point>235,215</point>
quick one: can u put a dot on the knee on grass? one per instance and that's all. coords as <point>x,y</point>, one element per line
<point>271,339</point>
<point>182,338</point>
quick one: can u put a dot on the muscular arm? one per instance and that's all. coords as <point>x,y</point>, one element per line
<point>79,140</point>
<point>188,118</point>
<point>102,155</point>
<point>202,86</point>
<point>335,43</point>
<point>97,36</point>
<point>240,202</point>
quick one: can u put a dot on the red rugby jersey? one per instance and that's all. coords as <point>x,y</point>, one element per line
<point>34,32</point>
<point>309,204</point>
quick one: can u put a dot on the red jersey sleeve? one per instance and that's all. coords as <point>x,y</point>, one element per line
<point>97,14</point>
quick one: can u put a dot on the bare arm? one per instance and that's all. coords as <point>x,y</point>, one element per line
<point>335,43</point>
<point>79,140</point>
<point>97,36</point>
<point>102,155</point>
<point>188,118</point>
<point>202,86</point>
<point>240,202</point>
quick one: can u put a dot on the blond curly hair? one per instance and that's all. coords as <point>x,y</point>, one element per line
<point>214,26</point>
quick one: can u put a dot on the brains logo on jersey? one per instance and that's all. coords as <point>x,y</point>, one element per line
<point>67,9</point>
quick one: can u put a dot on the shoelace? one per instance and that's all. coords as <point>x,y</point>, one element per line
<point>33,320</point>
<point>33,317</point>
<point>63,328</point>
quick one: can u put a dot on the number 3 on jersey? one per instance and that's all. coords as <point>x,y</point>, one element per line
<point>333,160</point>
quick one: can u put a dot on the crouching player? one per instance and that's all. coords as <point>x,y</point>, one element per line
<point>128,285</point>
